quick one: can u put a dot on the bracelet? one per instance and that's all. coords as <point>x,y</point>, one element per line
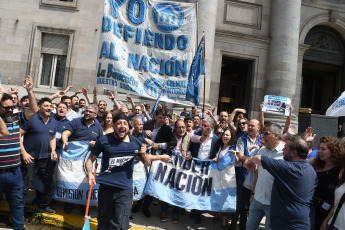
<point>250,160</point>
<point>53,149</point>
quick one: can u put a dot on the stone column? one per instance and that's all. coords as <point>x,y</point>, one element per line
<point>283,50</point>
<point>207,23</point>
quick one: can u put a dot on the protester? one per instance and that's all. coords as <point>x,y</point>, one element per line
<point>82,104</point>
<point>75,104</point>
<point>116,183</point>
<point>327,167</point>
<point>293,187</point>
<point>222,124</point>
<point>82,129</point>
<point>235,127</point>
<point>62,123</point>
<point>340,131</point>
<point>309,137</point>
<point>71,114</point>
<point>39,154</point>
<point>163,140</point>
<point>189,124</point>
<point>184,113</point>
<point>102,107</point>
<point>107,122</point>
<point>196,121</point>
<point>224,148</point>
<point>203,151</point>
<point>244,143</point>
<point>11,179</point>
<point>335,219</point>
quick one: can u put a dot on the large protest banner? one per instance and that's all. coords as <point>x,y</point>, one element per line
<point>195,184</point>
<point>337,109</point>
<point>146,46</point>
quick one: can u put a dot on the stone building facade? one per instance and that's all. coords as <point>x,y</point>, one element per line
<point>289,48</point>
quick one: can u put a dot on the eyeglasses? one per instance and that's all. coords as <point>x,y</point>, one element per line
<point>8,108</point>
<point>242,123</point>
<point>13,98</point>
<point>266,134</point>
<point>88,111</point>
<point>180,127</point>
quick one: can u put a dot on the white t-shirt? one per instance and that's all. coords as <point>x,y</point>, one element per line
<point>222,153</point>
<point>340,221</point>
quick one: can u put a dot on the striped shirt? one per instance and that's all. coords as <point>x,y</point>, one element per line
<point>10,145</point>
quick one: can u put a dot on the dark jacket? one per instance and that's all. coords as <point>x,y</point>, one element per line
<point>194,147</point>
<point>164,135</point>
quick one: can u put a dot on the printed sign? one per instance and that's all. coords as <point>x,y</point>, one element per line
<point>276,104</point>
<point>146,46</point>
<point>337,109</point>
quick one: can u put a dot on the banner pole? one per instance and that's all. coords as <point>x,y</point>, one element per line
<point>89,196</point>
<point>203,104</point>
<point>197,23</point>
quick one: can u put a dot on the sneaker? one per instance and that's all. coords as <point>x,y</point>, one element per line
<point>136,208</point>
<point>163,217</point>
<point>198,219</point>
<point>47,210</point>
<point>175,219</point>
<point>146,212</point>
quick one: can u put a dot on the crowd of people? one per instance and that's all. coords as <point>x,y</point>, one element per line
<point>278,173</point>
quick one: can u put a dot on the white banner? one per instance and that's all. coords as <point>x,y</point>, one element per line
<point>276,104</point>
<point>337,109</point>
<point>146,46</point>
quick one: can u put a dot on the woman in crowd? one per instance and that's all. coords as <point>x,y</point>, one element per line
<point>337,221</point>
<point>327,167</point>
<point>226,145</point>
<point>107,122</point>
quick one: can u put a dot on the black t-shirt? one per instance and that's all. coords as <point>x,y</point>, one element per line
<point>117,160</point>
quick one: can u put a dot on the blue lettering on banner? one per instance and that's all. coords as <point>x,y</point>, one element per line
<point>173,67</point>
<point>154,86</point>
<point>338,103</point>
<point>115,5</point>
<point>168,16</point>
<point>145,36</point>
<point>134,16</point>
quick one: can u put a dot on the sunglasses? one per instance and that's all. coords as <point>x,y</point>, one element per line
<point>242,123</point>
<point>8,108</point>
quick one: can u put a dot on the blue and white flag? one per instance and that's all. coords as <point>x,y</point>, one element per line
<point>195,184</point>
<point>72,178</point>
<point>337,109</point>
<point>196,70</point>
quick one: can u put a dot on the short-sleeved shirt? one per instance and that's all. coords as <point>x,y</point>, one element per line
<point>141,136</point>
<point>38,136</point>
<point>292,193</point>
<point>71,115</point>
<point>81,132</point>
<point>61,126</point>
<point>117,160</point>
<point>264,183</point>
<point>10,145</point>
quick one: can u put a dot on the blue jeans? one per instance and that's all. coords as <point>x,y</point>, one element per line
<point>258,210</point>
<point>11,184</point>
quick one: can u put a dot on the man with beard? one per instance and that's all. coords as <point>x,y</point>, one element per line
<point>116,183</point>
<point>11,179</point>
<point>71,114</point>
<point>102,107</point>
<point>39,153</point>
<point>75,105</point>
<point>294,183</point>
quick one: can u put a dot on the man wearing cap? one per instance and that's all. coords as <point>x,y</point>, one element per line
<point>115,178</point>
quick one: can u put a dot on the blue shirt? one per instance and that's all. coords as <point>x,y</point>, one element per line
<point>61,126</point>
<point>313,154</point>
<point>80,132</point>
<point>292,193</point>
<point>117,160</point>
<point>38,136</point>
